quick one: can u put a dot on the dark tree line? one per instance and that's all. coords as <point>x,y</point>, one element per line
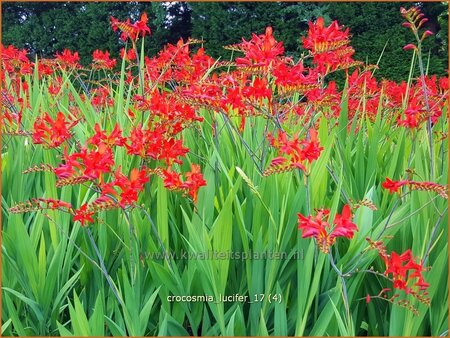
<point>47,27</point>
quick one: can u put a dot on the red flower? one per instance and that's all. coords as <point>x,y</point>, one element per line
<point>44,69</point>
<point>15,60</point>
<point>101,60</point>
<point>97,162</point>
<point>130,187</point>
<point>409,46</point>
<point>259,89</point>
<point>194,180</point>
<point>414,115</point>
<point>52,133</point>
<point>261,50</point>
<point>101,96</point>
<point>114,138</point>
<point>50,203</point>
<point>311,148</point>
<point>294,79</point>
<point>127,29</point>
<point>393,186</point>
<point>330,46</point>
<point>321,38</point>
<point>83,215</point>
<point>155,144</point>
<point>277,161</point>
<point>314,226</point>
<point>394,263</point>
<point>318,227</point>
<point>56,204</point>
<point>172,179</point>
<point>422,284</point>
<point>406,273</point>
<point>170,151</point>
<point>296,151</point>
<point>141,25</point>
<point>68,59</point>
<point>130,30</point>
<point>130,55</point>
<point>400,284</point>
<point>137,142</point>
<point>67,169</point>
<point>87,164</point>
<point>343,225</point>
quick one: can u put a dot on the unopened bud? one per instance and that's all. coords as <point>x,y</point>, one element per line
<point>422,22</point>
<point>426,34</point>
<point>409,46</point>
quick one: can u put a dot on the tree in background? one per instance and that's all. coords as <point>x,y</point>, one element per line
<point>377,26</point>
<point>224,23</point>
<point>47,27</point>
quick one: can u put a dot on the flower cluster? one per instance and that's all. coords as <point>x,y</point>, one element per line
<point>95,163</point>
<point>318,227</point>
<point>329,46</point>
<point>415,19</point>
<point>404,271</point>
<point>394,186</point>
<point>125,189</point>
<point>68,59</point>
<point>129,30</point>
<point>15,61</point>
<point>52,132</point>
<point>194,180</point>
<point>296,153</point>
<point>101,60</point>
<point>260,51</point>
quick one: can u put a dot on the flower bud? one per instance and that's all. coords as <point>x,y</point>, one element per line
<point>409,46</point>
<point>426,34</point>
<point>422,22</point>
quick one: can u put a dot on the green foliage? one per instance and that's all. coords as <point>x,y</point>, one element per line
<point>53,282</point>
<point>51,287</point>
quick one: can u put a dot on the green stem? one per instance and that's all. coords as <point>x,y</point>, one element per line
<point>103,268</point>
<point>132,234</point>
<point>155,230</point>
<point>433,234</point>
<point>427,105</point>
<point>344,290</point>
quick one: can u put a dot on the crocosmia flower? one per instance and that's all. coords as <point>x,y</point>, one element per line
<point>68,59</point>
<point>130,30</point>
<point>83,215</point>
<point>319,228</point>
<point>101,60</point>
<point>52,133</point>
